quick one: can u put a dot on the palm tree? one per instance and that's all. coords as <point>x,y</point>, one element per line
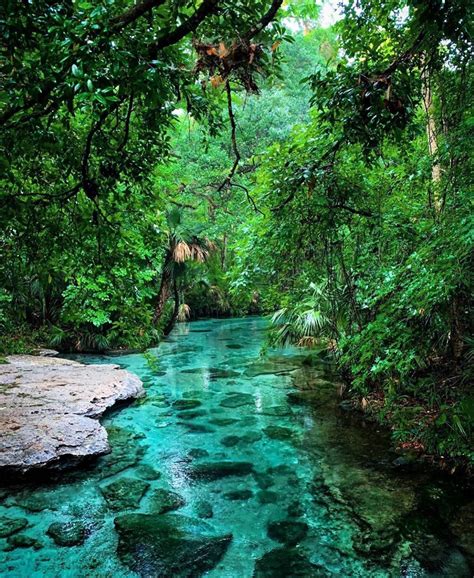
<point>319,315</point>
<point>184,244</point>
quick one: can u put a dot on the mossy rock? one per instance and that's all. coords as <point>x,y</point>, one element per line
<point>126,452</point>
<point>162,501</point>
<point>216,470</point>
<point>9,526</point>
<point>267,497</point>
<point>67,533</point>
<point>235,400</point>
<point>280,433</point>
<point>251,437</point>
<point>36,501</point>
<point>125,493</point>
<point>192,414</point>
<point>154,545</point>
<point>186,404</point>
<point>223,421</point>
<point>237,495</point>
<point>277,410</point>
<point>197,453</point>
<point>147,472</point>
<point>287,531</point>
<point>23,541</point>
<point>264,480</point>
<point>197,428</point>
<point>230,441</point>
<point>287,563</point>
<point>204,510</point>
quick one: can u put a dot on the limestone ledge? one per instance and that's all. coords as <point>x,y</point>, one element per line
<point>50,409</point>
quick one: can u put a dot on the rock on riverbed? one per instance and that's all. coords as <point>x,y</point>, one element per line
<point>49,410</point>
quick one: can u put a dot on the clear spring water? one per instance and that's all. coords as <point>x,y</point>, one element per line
<point>346,509</point>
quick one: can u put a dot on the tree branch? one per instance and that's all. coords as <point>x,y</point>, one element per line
<point>119,22</point>
<point>264,20</point>
<point>233,137</point>
<point>207,8</point>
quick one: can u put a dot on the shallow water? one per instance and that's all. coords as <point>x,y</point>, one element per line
<point>345,508</point>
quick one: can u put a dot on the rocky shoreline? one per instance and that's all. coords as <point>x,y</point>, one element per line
<point>50,409</point>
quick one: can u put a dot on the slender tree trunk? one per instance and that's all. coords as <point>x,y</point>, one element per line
<point>165,287</point>
<point>174,316</point>
<point>432,137</point>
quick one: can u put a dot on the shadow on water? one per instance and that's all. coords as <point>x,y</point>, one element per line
<point>236,466</point>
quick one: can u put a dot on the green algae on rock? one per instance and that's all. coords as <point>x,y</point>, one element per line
<point>162,501</point>
<point>68,533</point>
<point>9,525</point>
<point>287,531</point>
<point>237,495</point>
<point>216,470</point>
<point>23,541</point>
<point>154,545</point>
<point>125,493</point>
<point>285,563</point>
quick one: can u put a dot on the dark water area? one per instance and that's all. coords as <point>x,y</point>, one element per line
<point>236,466</point>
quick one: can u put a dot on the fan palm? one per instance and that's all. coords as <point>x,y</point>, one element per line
<point>184,244</point>
<point>308,320</point>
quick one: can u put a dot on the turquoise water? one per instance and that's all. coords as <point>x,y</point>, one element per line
<point>260,472</point>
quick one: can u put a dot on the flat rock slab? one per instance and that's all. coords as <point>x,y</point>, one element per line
<point>49,410</point>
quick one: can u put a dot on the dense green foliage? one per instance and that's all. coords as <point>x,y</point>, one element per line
<point>144,180</point>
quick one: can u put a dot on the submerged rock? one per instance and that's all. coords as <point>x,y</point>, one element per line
<point>9,526</point>
<point>308,397</point>
<point>125,493</point>
<point>183,404</point>
<point>223,421</point>
<point>287,563</point>
<point>215,470</point>
<point>162,501</point>
<point>267,497</point>
<point>51,408</point>
<point>192,414</point>
<point>154,545</point>
<point>230,441</point>
<point>264,480</point>
<point>67,533</point>
<point>204,510</point>
<point>236,495</point>
<point>193,427</point>
<point>276,432</point>
<point>270,367</point>
<point>126,452</point>
<point>213,372</point>
<point>147,472</point>
<point>237,400</point>
<point>197,453</point>
<point>221,373</point>
<point>287,531</point>
<point>276,410</point>
<point>23,541</point>
<point>251,437</point>
<point>36,501</point>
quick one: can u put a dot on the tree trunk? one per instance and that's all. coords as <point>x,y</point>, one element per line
<point>432,137</point>
<point>165,286</point>
<point>174,316</point>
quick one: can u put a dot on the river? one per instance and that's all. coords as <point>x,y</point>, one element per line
<point>237,465</point>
